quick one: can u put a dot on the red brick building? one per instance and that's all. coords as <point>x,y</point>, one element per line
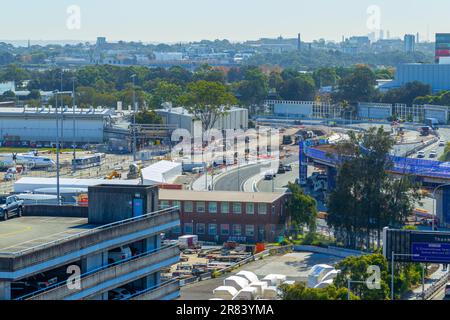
<point>220,216</point>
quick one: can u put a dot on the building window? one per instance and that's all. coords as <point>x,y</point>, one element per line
<point>176,230</point>
<point>164,204</point>
<point>237,207</point>
<point>249,230</point>
<point>176,204</point>
<point>224,229</point>
<point>188,206</point>
<point>212,207</point>
<point>200,228</point>
<point>262,208</point>
<point>200,207</point>
<point>250,208</point>
<point>188,228</point>
<point>212,229</point>
<point>224,207</point>
<point>237,230</point>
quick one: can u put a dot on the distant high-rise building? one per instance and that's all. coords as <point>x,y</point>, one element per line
<point>101,41</point>
<point>299,42</point>
<point>417,38</point>
<point>442,46</point>
<point>388,34</point>
<point>381,34</point>
<point>410,43</point>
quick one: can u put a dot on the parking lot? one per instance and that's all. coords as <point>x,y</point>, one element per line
<point>26,232</point>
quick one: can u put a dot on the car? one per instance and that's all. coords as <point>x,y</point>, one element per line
<point>119,254</point>
<point>269,176</point>
<point>281,169</point>
<point>119,294</point>
<point>287,167</point>
<point>13,206</point>
<point>433,154</point>
<point>447,290</point>
<point>421,154</point>
<point>441,143</point>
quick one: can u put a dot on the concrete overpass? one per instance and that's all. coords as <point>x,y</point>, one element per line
<point>429,173</point>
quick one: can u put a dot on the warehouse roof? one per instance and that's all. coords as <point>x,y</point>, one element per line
<point>31,183</point>
<point>231,196</point>
<point>161,171</point>
<point>47,110</point>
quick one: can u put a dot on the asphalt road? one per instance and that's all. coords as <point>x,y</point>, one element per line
<point>235,180</point>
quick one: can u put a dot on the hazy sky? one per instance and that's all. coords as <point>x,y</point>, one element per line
<point>187,20</point>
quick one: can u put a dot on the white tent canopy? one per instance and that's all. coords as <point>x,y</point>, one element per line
<point>161,172</point>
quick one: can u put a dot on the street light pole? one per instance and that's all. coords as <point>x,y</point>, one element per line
<point>73,109</point>
<point>57,148</point>
<point>393,254</point>
<point>134,118</point>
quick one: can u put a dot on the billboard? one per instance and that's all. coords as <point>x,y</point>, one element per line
<point>417,246</point>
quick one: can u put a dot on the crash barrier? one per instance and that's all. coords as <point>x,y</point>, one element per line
<point>401,165</point>
<point>333,251</point>
<point>435,287</point>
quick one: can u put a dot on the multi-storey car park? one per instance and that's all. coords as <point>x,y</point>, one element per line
<point>94,253</point>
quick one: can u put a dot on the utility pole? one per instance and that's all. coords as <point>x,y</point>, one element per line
<point>134,118</point>
<point>57,148</point>
<point>73,109</point>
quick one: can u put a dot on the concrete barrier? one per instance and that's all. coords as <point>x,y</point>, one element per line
<point>333,251</point>
<point>66,211</point>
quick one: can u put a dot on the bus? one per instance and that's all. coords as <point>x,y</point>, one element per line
<point>94,160</point>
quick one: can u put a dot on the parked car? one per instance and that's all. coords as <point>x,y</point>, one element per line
<point>281,169</point>
<point>118,254</point>
<point>119,294</point>
<point>12,207</point>
<point>287,167</point>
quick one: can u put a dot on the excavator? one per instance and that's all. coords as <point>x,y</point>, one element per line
<point>114,175</point>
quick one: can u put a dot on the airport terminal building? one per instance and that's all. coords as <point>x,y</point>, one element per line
<point>73,253</point>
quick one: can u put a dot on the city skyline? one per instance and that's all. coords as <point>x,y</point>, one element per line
<point>177,21</point>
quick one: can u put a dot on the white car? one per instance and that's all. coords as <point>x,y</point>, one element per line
<point>119,254</point>
<point>441,143</point>
<point>119,294</point>
<point>433,154</point>
<point>421,154</point>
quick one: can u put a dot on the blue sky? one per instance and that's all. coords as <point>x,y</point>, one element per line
<point>187,20</point>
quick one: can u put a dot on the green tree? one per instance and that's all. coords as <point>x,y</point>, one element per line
<point>358,86</point>
<point>299,88</point>
<point>165,92</point>
<point>407,93</point>
<point>148,117</point>
<point>254,88</point>
<point>301,208</point>
<point>207,101</point>
<point>299,291</point>
<point>356,269</point>
<point>367,198</point>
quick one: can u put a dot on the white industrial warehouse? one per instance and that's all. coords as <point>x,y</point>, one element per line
<point>39,124</point>
<point>235,118</point>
